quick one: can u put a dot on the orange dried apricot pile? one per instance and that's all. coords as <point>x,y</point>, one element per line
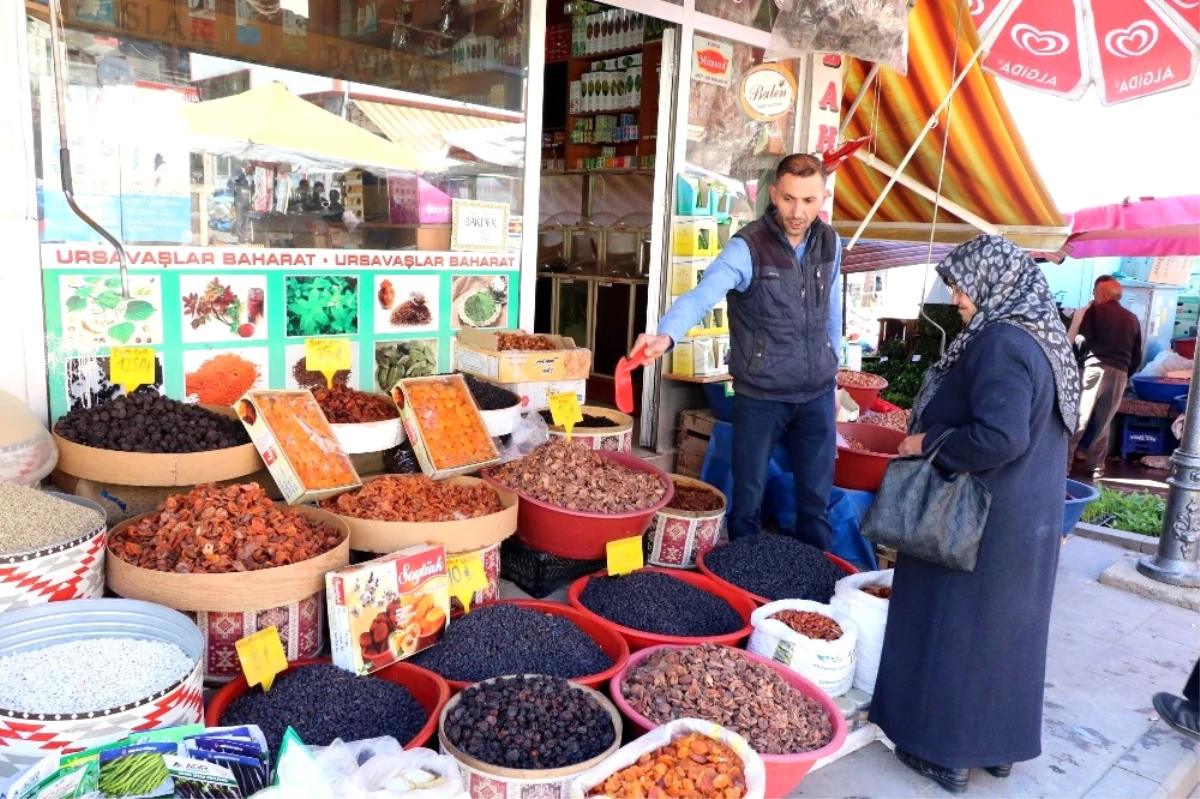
<point>694,766</point>
<point>454,432</point>
<point>306,438</point>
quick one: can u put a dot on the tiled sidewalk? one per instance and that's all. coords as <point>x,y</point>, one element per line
<point>1110,651</point>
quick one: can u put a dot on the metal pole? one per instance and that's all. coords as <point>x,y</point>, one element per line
<point>1178,558</point>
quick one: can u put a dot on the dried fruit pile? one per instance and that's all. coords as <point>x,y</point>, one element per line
<point>322,702</point>
<point>856,445</point>
<point>775,567</point>
<point>847,377</point>
<point>571,476</point>
<point>658,603</point>
<point>522,341</point>
<point>306,438</point>
<point>810,625</point>
<point>489,396</point>
<point>450,424</point>
<point>405,498</point>
<point>695,500</point>
<point>881,591</point>
<point>692,766</point>
<point>146,421</point>
<point>589,420</point>
<point>215,530</point>
<point>501,639</point>
<point>893,420</point>
<point>342,405</point>
<point>722,685</point>
<point>530,722</point>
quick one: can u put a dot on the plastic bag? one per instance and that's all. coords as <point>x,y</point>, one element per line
<point>383,776</point>
<point>873,30</point>
<point>830,664</point>
<point>27,450</point>
<point>870,613</point>
<point>847,408</point>
<point>401,460</point>
<point>626,756</point>
<point>364,750</point>
<point>529,433</point>
<point>1166,361</point>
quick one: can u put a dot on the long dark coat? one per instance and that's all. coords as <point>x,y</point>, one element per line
<point>964,658</point>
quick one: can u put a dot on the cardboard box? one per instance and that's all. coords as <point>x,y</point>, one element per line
<point>385,610</point>
<point>714,322</point>
<point>695,357</point>
<point>476,352</point>
<point>535,396</point>
<point>686,274</point>
<point>416,426</point>
<point>277,455</point>
<point>695,237</point>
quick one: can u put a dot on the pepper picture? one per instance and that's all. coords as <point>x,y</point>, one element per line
<point>479,301</point>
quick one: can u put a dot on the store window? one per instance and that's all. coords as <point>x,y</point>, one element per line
<point>279,170</point>
<point>758,14</point>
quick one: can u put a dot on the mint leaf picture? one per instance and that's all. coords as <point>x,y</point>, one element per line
<point>321,305</point>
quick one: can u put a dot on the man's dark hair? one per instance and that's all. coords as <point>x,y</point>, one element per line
<point>1104,279</point>
<point>801,165</point>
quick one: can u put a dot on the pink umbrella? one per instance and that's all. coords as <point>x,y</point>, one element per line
<point>1128,48</point>
<point>1147,227</point>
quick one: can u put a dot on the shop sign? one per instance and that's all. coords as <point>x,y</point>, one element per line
<point>1173,270</point>
<point>824,113</point>
<point>712,61</point>
<point>768,93</point>
<point>478,226</point>
<point>91,256</point>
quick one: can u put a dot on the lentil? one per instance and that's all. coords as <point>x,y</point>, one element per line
<point>695,500</point>
<point>529,722</point>
<point>658,603</point>
<point>722,685</point>
<point>811,625</point>
<point>569,475</point>
<point>775,567</point>
<point>502,639</point>
<point>90,674</point>
<point>588,420</point>
<point>397,498</point>
<point>846,377</point>
<point>343,405</point>
<point>489,396</point>
<point>146,421</point>
<point>693,765</point>
<point>322,702</point>
<point>31,519</point>
<point>214,529</point>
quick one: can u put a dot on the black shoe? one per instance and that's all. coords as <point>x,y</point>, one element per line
<point>953,780</point>
<point>1000,772</point>
<point>1179,713</point>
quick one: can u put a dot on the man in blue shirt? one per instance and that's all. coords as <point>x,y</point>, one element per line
<point>780,274</point>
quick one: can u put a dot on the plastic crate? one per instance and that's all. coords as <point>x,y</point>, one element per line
<point>540,573</point>
<point>1145,435</point>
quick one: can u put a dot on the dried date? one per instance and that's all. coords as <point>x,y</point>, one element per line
<point>216,529</point>
<point>403,498</point>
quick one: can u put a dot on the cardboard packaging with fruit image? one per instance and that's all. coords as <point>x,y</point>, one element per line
<point>385,610</point>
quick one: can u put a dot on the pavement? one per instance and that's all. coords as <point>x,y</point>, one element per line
<point>1110,652</point>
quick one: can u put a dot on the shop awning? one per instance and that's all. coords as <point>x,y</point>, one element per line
<point>421,129</point>
<point>871,255</point>
<point>990,183</point>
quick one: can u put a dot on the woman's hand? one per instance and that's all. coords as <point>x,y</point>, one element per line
<point>912,445</point>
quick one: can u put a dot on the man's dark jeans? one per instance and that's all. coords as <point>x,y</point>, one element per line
<point>808,432</point>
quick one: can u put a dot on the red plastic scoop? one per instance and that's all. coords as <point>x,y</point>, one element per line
<point>623,379</point>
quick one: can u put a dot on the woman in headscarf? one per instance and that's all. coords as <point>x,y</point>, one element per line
<point>964,657</point>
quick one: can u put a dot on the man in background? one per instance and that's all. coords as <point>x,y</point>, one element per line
<point>1111,341</point>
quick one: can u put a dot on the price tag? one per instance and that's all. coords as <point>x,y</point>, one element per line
<point>467,576</point>
<point>728,388</point>
<point>564,410</point>
<point>327,356</point>
<point>624,555</point>
<point>130,367</point>
<point>262,657</point>
<point>916,358</point>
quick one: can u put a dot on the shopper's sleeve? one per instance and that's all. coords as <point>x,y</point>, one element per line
<point>729,271</point>
<point>1000,388</point>
<point>835,301</point>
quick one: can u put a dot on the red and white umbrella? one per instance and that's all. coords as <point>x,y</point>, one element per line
<point>1127,48</point>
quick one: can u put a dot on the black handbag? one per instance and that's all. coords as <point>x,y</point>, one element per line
<point>928,514</point>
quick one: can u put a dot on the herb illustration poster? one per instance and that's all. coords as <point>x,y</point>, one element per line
<point>227,320</point>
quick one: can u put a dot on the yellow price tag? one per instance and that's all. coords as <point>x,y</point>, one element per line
<point>625,555</point>
<point>262,657</point>
<point>564,410</point>
<point>130,367</point>
<point>467,576</point>
<point>327,356</point>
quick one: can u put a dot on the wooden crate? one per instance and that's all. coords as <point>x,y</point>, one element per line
<point>695,429</point>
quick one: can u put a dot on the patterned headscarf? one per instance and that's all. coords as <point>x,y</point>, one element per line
<point>1008,288</point>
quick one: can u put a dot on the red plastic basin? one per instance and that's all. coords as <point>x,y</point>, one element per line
<point>581,535</point>
<point>863,471</point>
<point>605,636</point>
<point>1185,347</point>
<point>637,639</point>
<point>784,772</point>
<point>430,690</point>
<point>864,397</point>
<point>845,566</point>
